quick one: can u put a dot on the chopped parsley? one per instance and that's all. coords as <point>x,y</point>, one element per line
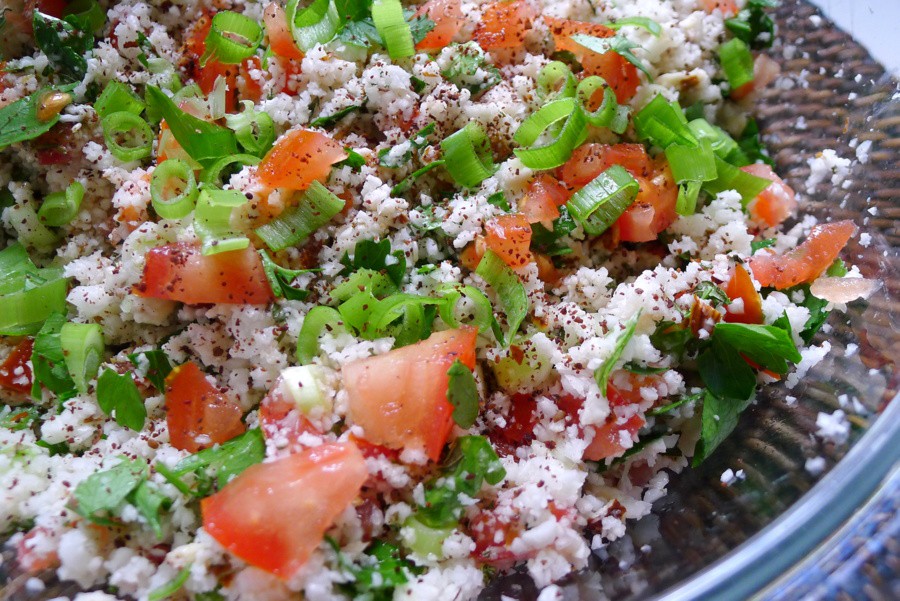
<point>118,394</point>
<point>462,392</point>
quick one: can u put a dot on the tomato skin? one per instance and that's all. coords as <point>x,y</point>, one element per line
<point>15,372</point>
<point>274,515</point>
<point>740,286</point>
<point>520,423</point>
<point>504,25</point>
<point>400,398</point>
<point>607,440</point>
<point>806,262</point>
<point>542,200</point>
<point>197,413</point>
<point>510,237</point>
<point>179,272</point>
<point>774,204</point>
<point>447,17</point>
<point>281,40</point>
<point>299,158</point>
<point>727,7</point>
<point>590,160</point>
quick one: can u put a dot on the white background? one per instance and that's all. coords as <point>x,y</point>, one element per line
<point>874,23</point>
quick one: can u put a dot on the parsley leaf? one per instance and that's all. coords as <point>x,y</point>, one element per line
<point>354,160</point>
<point>149,501</point>
<point>618,44</point>
<point>157,365</point>
<point>119,393</point>
<point>171,587</point>
<point>546,241</point>
<point>375,580</point>
<point>511,294</point>
<point>101,495</point>
<point>419,26</point>
<point>719,418</point>
<point>752,25</point>
<point>751,145</point>
<point>280,278</point>
<point>360,33</point>
<point>19,121</point>
<point>462,392</point>
<point>64,45</point>
<point>18,418</point>
<point>710,292</point>
<point>469,69</point>
<point>644,370</point>
<point>498,199</point>
<point>643,22</point>
<point>48,361</point>
<point>369,254</point>
<point>725,372</point>
<point>688,398</point>
<point>331,120</point>
<point>223,462</point>
<point>409,180</point>
<point>388,157</point>
<point>673,339</point>
<point>758,245</point>
<point>603,372</point>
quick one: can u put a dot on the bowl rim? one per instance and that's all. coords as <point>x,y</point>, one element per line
<point>770,554</point>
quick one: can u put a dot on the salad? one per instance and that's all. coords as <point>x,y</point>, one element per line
<point>378,300</point>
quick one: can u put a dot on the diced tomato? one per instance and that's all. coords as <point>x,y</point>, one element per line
<point>198,414</point>
<point>563,30</point>
<point>728,8</point>
<point>372,450</point>
<point>519,428</point>
<point>806,262</point>
<point>493,533</point>
<point>447,17</point>
<point>274,515</point>
<point>504,25</point>
<point>179,272</point>
<point>31,558</point>
<point>774,204</point>
<point>510,237</point>
<point>654,208</point>
<point>542,200</point>
<point>607,441</point>
<point>400,398</point>
<point>547,271</point>
<point>740,286</point>
<point>590,160</point>
<point>279,417</point>
<point>299,158</point>
<point>472,254</point>
<point>15,372</point>
<point>281,40</point>
<point>624,387</point>
<point>59,146</point>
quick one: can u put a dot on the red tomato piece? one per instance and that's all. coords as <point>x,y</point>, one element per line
<point>274,515</point>
<point>199,415</point>
<point>281,40</point>
<point>15,372</point>
<point>181,273</point>
<point>519,428</point>
<point>774,204</point>
<point>504,25</point>
<point>542,200</point>
<point>400,398</point>
<point>279,417</point>
<point>740,286</point>
<point>299,158</point>
<point>765,71</point>
<point>806,262</point>
<point>727,7</point>
<point>447,17</point>
<point>472,254</point>
<point>590,160</point>
<point>607,441</point>
<point>510,237</point>
<point>493,533</point>
<point>31,559</point>
<point>654,208</point>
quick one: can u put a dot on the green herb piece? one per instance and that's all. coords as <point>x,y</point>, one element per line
<point>719,418</point>
<point>710,292</point>
<point>360,33</point>
<point>603,372</point>
<point>470,70</point>
<point>388,157</point>
<point>752,25</point>
<point>100,496</point>
<point>751,145</point>
<point>254,130</point>
<point>419,26</point>
<point>643,22</point>
<point>156,364</point>
<point>49,362</point>
<point>688,398</point>
<point>546,241</point>
<point>377,256</point>
<point>223,462</point>
<point>59,448</point>
<point>644,370</point>
<point>510,292</point>
<point>472,462</point>
<point>618,44</point>
<point>19,120</point>
<point>768,346</point>
<point>85,15</point>
<point>417,84</point>
<point>354,160</point>
<point>280,278</point>
<point>673,339</point>
<point>498,199</point>
<point>64,45</point>
<point>383,570</point>
<point>18,418</point>
<point>119,393</point>
<point>171,587</point>
<point>83,347</point>
<point>462,392</point>
<point>409,180</point>
<point>725,372</point>
<point>149,502</point>
<point>758,245</point>
<point>316,208</point>
<point>330,121</point>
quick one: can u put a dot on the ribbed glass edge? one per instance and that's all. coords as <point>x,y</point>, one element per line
<point>784,543</point>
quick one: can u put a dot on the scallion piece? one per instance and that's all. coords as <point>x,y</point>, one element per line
<point>316,208</point>
<point>558,150</point>
<point>696,163</point>
<point>30,231</point>
<point>597,206</point>
<point>83,346</point>
<point>173,189</point>
<point>215,174</point>
<point>467,156</point>
<point>393,28</point>
<point>643,22</point>
<point>686,203</point>
<point>117,97</point>
<point>481,314</point>
<point>510,294</point>
<point>737,63</point>
<point>663,123</point>
<point>127,136</point>
<point>731,178</point>
<point>212,221</point>
<point>232,37</point>
<point>60,208</point>
<point>608,113</point>
<point>555,80</point>
<point>315,322</point>
<point>86,15</point>
<point>725,147</point>
<point>23,311</point>
<point>254,130</point>
<point>315,24</point>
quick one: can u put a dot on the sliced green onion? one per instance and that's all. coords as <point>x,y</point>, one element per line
<point>731,178</point>
<point>168,590</point>
<point>213,176</point>
<point>117,97</point>
<point>559,149</point>
<point>23,218</point>
<point>737,63</point>
<point>663,123</point>
<point>379,284</point>
<point>643,22</point>
<point>60,208</point>
<point>173,189</point>
<point>24,311</point>
<point>316,208</point>
<point>597,206</point>
<point>15,264</point>
<point>482,314</point>
<point>467,156</point>
<point>254,130</point>
<point>317,320</point>
<point>696,163</point>
<point>556,80</point>
<point>407,182</point>
<point>86,15</point>
<point>686,204</point>
<point>395,306</point>
<point>393,28</point>
<point>217,99</point>
<point>232,37</point>
<point>83,346</point>
<point>212,221</point>
<point>722,144</point>
<point>137,137</point>
<point>315,24</point>
<point>607,114</point>
<point>510,293</point>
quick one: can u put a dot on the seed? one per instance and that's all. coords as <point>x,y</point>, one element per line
<point>51,104</point>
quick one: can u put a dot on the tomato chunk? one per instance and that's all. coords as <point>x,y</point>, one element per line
<point>504,25</point>
<point>400,398</point>
<point>180,272</point>
<point>447,17</point>
<point>590,160</point>
<point>542,200</point>
<point>279,417</point>
<point>728,8</point>
<point>198,414</point>
<point>805,263</point>
<point>740,286</point>
<point>281,40</point>
<point>15,372</point>
<point>299,158</point>
<point>274,515</point>
<point>608,438</point>
<point>510,237</point>
<point>774,204</point>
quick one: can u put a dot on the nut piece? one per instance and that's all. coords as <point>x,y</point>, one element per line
<point>51,104</point>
